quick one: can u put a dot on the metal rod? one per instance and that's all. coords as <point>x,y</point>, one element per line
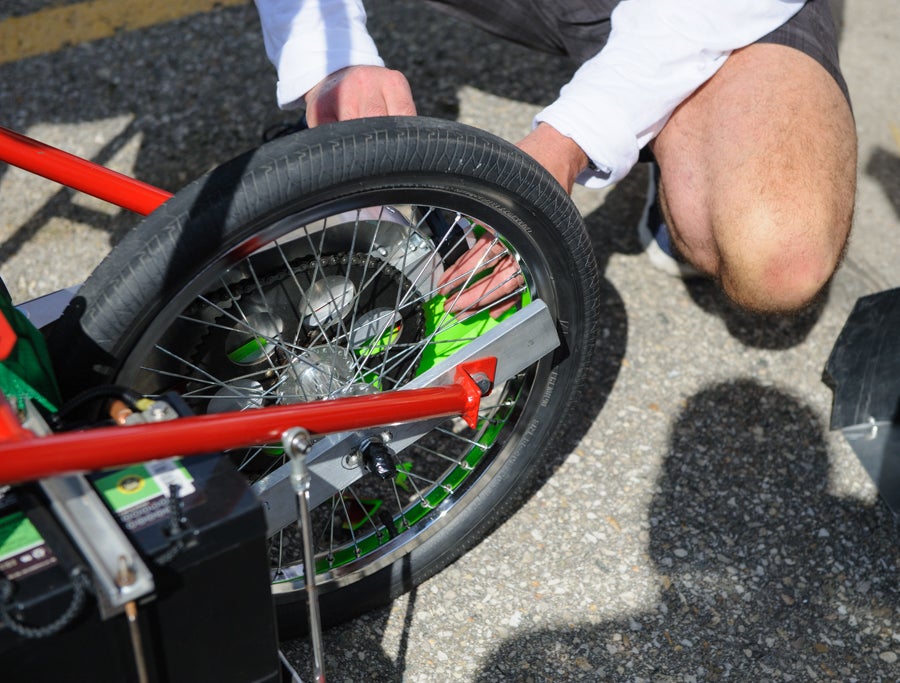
<point>137,645</point>
<point>296,444</point>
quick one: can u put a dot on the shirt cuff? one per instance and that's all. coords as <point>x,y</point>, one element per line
<point>607,139</point>
<point>316,66</point>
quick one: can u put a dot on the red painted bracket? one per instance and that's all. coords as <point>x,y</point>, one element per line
<point>477,378</point>
<point>7,338</point>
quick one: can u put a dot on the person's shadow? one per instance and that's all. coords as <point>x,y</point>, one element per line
<point>762,573</point>
<point>884,166</point>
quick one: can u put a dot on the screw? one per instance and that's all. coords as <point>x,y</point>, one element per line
<point>483,383</point>
<point>125,575</point>
<point>353,460</point>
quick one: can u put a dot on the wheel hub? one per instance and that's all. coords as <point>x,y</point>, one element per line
<point>325,327</point>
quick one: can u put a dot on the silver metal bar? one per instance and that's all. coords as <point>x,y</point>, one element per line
<point>297,444</point>
<point>517,343</point>
<point>120,575</point>
<point>877,445</point>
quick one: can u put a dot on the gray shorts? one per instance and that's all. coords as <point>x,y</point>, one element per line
<point>579,28</point>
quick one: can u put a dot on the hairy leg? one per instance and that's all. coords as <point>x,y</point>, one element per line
<point>759,176</point>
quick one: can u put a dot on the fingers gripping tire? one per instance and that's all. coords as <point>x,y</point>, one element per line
<point>311,268</point>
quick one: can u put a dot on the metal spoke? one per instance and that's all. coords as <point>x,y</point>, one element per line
<point>259,330</point>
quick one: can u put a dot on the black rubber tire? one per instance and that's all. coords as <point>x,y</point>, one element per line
<point>123,306</point>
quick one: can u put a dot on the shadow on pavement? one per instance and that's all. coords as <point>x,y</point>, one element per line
<point>747,469</point>
<point>189,113</point>
<point>200,90</point>
<point>770,331</point>
<point>884,166</point>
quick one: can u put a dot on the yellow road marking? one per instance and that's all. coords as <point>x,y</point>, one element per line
<point>895,130</point>
<point>54,28</point>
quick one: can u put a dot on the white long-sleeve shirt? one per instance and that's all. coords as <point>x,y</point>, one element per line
<point>658,53</point>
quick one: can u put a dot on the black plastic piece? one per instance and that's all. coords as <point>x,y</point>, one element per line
<point>864,373</point>
<point>379,459</point>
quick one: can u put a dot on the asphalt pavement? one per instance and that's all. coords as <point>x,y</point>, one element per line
<point>707,527</point>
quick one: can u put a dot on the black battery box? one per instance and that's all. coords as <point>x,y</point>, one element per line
<point>210,616</point>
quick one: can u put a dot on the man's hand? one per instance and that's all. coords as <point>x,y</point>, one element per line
<point>499,289</point>
<point>359,91</point>
<point>557,153</point>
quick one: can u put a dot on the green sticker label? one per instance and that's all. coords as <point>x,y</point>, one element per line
<point>140,484</point>
<point>129,487</point>
<point>139,494</point>
<point>22,549</point>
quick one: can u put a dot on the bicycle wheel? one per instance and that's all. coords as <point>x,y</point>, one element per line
<point>309,269</point>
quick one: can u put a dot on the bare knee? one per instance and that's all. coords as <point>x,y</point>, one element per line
<point>780,263</point>
<point>759,169</point>
<point>771,251</point>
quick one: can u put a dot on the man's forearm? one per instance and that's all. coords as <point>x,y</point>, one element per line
<point>658,53</point>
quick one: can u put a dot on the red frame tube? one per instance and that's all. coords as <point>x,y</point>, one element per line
<point>25,457</point>
<point>79,174</point>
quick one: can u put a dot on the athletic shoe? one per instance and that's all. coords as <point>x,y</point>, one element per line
<point>654,236</point>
